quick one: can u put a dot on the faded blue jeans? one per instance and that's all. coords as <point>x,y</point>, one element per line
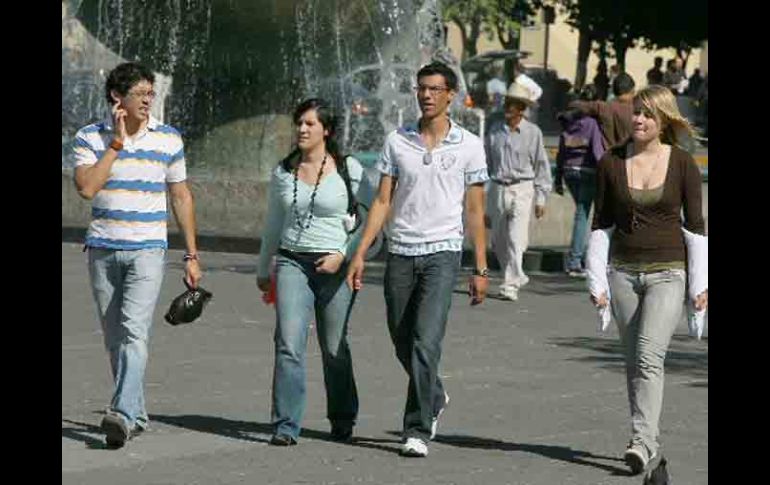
<point>418,294</point>
<point>303,295</point>
<point>126,285</point>
<point>647,309</point>
<point>582,186</point>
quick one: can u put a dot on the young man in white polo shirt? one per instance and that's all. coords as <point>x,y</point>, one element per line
<point>428,170</point>
<point>124,166</point>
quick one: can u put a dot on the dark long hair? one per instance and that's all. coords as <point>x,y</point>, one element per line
<point>328,119</point>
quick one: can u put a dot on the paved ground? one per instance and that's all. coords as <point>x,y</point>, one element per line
<point>537,396</point>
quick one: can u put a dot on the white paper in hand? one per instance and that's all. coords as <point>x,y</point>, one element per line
<point>697,278</point>
<point>605,315</point>
<point>695,321</point>
<point>597,256</point>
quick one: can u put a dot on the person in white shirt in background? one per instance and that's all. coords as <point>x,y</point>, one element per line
<point>520,174</point>
<point>496,88</point>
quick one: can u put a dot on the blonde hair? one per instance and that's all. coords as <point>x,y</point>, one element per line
<point>661,104</point>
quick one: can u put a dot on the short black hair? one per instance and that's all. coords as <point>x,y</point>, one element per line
<point>658,60</point>
<point>124,77</point>
<point>623,84</point>
<point>439,68</point>
<point>588,93</point>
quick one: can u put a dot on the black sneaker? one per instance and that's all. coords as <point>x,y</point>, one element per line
<point>342,432</point>
<point>282,440</point>
<point>658,475</point>
<point>116,430</point>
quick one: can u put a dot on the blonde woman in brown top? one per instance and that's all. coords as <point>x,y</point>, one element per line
<point>643,188</point>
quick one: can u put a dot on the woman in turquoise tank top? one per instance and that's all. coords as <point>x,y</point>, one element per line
<point>310,227</point>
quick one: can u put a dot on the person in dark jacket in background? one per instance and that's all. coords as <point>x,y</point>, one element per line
<point>580,147</point>
<point>614,117</point>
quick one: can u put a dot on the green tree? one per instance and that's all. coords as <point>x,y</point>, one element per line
<point>683,27</point>
<point>472,17</point>
<point>507,17</point>
<point>614,23</point>
<point>624,24</point>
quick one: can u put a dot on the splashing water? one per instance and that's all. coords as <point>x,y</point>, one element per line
<point>230,73</point>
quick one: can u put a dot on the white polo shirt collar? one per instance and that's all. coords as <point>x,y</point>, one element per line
<point>411,131</point>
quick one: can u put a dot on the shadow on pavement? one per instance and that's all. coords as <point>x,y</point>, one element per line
<point>82,432</point>
<point>685,355</point>
<point>562,453</point>
<point>246,430</point>
<point>230,428</point>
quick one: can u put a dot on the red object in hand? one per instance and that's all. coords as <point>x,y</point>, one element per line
<point>269,296</point>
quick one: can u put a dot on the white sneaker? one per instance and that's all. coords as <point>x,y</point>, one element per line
<point>508,294</point>
<point>636,457</point>
<point>414,447</point>
<point>434,425</point>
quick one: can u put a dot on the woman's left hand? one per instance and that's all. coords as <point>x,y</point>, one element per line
<point>330,263</point>
<point>701,301</point>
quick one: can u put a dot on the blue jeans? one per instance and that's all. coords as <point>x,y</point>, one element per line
<point>303,295</point>
<point>647,309</point>
<point>418,294</point>
<point>582,186</point>
<point>126,285</point>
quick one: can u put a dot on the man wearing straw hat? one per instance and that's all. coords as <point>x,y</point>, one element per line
<point>520,173</point>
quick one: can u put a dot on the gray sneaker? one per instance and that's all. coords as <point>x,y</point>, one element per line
<point>576,273</point>
<point>637,457</point>
<point>116,430</point>
<point>508,294</point>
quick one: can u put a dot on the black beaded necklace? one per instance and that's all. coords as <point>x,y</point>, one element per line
<point>311,206</point>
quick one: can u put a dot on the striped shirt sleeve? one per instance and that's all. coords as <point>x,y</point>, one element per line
<point>177,168</point>
<point>82,152</point>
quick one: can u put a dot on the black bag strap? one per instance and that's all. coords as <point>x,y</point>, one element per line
<point>352,202</point>
<point>345,174</point>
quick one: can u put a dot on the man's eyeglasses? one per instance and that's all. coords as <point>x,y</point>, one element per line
<point>432,89</point>
<point>142,94</point>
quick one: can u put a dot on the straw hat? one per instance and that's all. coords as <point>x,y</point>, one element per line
<point>521,93</point>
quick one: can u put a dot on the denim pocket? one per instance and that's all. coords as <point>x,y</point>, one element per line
<point>157,254</point>
<point>676,273</point>
<point>670,275</point>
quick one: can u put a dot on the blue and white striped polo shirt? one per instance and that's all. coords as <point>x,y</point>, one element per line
<point>129,212</point>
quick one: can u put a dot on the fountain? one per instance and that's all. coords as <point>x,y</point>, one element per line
<point>230,72</point>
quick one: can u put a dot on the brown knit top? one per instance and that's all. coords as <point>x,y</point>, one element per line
<point>648,233</point>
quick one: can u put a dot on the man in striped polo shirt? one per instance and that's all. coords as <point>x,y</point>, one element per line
<point>124,166</point>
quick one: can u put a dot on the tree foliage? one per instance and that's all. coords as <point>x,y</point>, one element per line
<point>501,18</point>
<point>507,17</point>
<point>624,24</point>
<point>472,17</point>
<point>652,24</point>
